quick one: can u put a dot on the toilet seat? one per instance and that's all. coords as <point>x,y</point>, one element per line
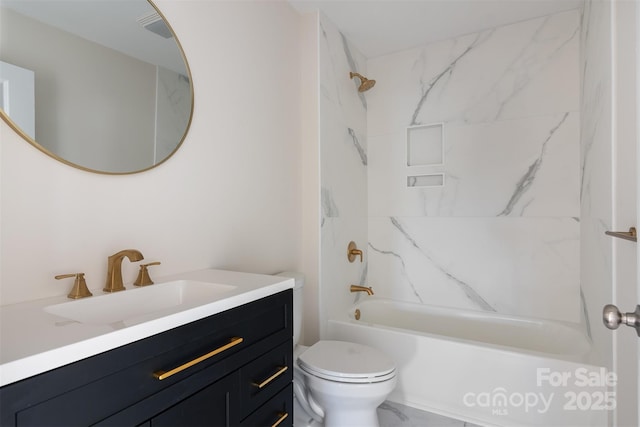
<point>346,362</point>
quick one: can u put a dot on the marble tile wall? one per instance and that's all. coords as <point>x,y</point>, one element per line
<point>343,169</point>
<point>503,232</point>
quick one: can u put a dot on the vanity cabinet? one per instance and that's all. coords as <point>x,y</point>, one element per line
<point>232,368</point>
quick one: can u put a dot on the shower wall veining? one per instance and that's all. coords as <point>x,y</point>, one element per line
<point>502,232</point>
<point>343,168</point>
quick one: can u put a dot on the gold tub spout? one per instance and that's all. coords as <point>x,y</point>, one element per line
<point>358,288</point>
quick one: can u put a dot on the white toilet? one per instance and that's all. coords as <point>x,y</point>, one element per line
<point>336,383</point>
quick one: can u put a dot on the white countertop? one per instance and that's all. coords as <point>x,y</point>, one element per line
<point>33,341</point>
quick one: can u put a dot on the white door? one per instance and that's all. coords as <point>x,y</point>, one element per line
<point>626,257</point>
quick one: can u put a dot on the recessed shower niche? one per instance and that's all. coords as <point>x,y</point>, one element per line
<point>425,145</point>
<point>430,180</point>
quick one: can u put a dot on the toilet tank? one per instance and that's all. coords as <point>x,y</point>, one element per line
<point>297,302</point>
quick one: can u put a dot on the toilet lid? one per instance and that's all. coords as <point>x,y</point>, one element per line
<point>346,362</point>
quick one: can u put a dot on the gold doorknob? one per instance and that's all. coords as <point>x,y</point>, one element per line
<point>353,252</point>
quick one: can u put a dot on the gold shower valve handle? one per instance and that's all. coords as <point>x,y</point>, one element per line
<point>79,289</point>
<point>353,252</point>
<point>143,278</point>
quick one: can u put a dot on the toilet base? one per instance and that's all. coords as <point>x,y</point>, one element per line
<point>349,404</point>
<point>301,418</point>
<point>364,418</point>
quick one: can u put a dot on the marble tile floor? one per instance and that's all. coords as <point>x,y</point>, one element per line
<point>392,414</point>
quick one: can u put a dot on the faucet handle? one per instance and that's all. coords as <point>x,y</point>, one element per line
<point>143,275</point>
<point>79,289</point>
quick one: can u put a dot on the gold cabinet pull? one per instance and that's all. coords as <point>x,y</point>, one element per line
<point>162,375</point>
<point>281,419</point>
<point>264,383</point>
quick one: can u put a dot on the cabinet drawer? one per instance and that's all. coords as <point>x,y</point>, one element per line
<point>265,376</point>
<point>276,412</point>
<point>224,335</point>
<point>208,407</point>
<point>93,389</point>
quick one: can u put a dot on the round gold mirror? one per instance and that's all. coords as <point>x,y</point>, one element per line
<point>100,85</point>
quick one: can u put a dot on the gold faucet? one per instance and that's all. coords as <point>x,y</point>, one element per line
<point>358,288</point>
<point>114,269</point>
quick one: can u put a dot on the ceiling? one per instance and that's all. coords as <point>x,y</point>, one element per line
<point>106,22</point>
<point>375,27</point>
<point>380,27</point>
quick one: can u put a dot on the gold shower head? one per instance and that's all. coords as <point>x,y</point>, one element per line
<point>365,83</point>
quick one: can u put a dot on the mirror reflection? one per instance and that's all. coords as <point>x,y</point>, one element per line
<point>98,84</point>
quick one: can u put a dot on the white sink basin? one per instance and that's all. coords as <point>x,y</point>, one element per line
<point>137,305</point>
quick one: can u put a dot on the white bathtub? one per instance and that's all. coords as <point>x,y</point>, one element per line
<point>482,367</point>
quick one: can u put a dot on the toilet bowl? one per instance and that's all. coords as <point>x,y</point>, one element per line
<point>337,383</point>
<point>346,382</point>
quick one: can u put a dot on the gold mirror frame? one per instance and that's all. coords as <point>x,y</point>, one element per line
<point>34,143</point>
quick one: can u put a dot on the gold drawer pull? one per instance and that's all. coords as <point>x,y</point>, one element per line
<point>281,419</point>
<point>162,375</point>
<point>264,383</point>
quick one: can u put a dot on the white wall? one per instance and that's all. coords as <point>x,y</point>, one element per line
<point>230,197</point>
<point>310,178</point>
